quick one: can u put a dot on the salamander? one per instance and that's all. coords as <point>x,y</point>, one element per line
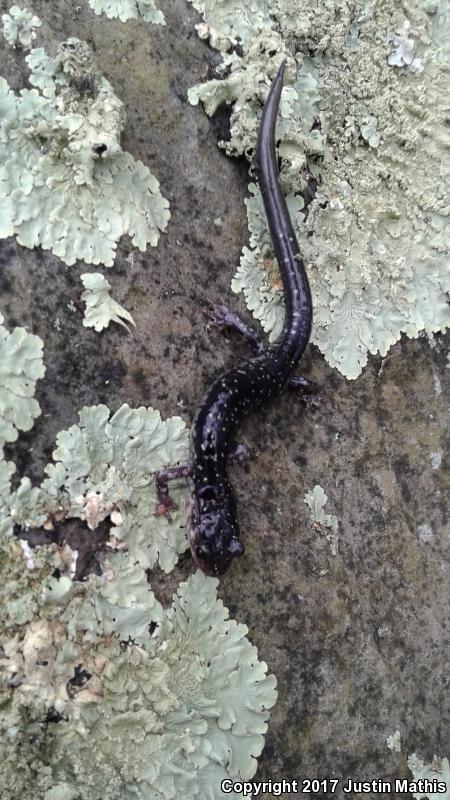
<point>213,531</point>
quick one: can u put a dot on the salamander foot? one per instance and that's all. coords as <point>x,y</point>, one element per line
<point>310,401</point>
<point>164,506</point>
<point>308,390</point>
<point>164,503</point>
<point>222,318</point>
<point>239,452</point>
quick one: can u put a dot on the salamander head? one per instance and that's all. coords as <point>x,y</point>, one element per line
<point>214,536</point>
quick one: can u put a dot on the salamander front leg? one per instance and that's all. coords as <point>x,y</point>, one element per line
<point>238,452</point>
<point>308,390</point>
<point>222,318</point>
<point>164,502</point>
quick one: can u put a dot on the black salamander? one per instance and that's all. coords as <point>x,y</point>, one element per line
<point>213,532</point>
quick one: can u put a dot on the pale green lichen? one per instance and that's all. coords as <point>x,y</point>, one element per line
<point>394,743</point>
<point>403,50</point>
<point>246,85</point>
<point>178,714</point>
<point>117,603</point>
<point>65,182</point>
<point>129,9</point>
<point>19,27</point>
<point>21,365</point>
<point>371,142</point>
<point>37,660</point>
<point>104,468</point>
<point>123,711</point>
<point>25,506</point>
<point>231,21</point>
<point>104,694</point>
<point>7,470</point>
<point>438,770</point>
<point>316,500</point>
<point>101,309</point>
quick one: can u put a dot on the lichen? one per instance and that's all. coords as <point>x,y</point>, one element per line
<point>394,743</point>
<point>436,458</point>
<point>177,714</point>
<point>101,309</point>
<point>7,470</point>
<point>233,20</point>
<point>114,459</point>
<point>246,85</point>
<point>438,770</point>
<point>364,143</point>
<point>19,27</point>
<point>403,50</point>
<point>316,500</point>
<point>425,532</point>
<point>65,182</point>
<point>103,692</point>
<point>21,365</point>
<point>123,710</point>
<point>129,9</point>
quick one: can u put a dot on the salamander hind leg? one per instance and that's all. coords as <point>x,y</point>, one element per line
<point>164,503</point>
<point>222,318</point>
<point>307,389</point>
<point>239,452</point>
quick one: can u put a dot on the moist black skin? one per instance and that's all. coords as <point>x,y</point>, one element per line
<point>213,530</point>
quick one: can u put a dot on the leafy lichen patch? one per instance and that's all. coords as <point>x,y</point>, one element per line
<point>172,720</point>
<point>104,468</point>
<point>403,50</point>
<point>18,27</point>
<point>21,365</point>
<point>394,742</point>
<point>245,84</point>
<point>101,308</point>
<point>65,182</point>
<point>109,695</point>
<point>7,470</point>
<point>129,9</point>
<point>233,21</point>
<point>438,770</point>
<point>124,709</point>
<point>106,693</point>
<point>316,500</point>
<point>370,140</point>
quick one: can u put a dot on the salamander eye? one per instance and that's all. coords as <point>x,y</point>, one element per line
<point>236,547</point>
<point>203,551</point>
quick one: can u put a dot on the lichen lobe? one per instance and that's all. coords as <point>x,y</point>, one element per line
<point>66,183</point>
<point>362,118</point>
